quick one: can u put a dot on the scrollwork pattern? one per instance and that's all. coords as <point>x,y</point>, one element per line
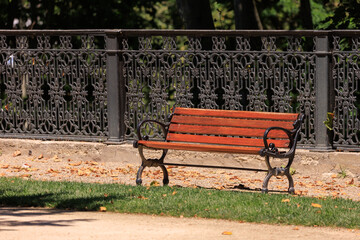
<point>49,88</point>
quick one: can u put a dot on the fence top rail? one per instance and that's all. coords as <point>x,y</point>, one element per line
<point>208,33</point>
<point>181,32</point>
<point>52,32</point>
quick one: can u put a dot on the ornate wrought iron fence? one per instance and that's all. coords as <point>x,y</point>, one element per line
<point>53,84</point>
<point>346,80</point>
<point>98,85</point>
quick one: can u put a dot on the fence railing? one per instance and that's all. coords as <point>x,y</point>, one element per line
<point>99,84</point>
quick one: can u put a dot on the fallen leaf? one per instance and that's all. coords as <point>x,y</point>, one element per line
<point>53,171</point>
<point>16,153</point>
<point>351,182</point>
<point>142,197</point>
<point>174,192</point>
<point>81,172</point>
<point>106,195</point>
<point>335,194</point>
<point>295,228</point>
<point>40,156</point>
<point>75,164</point>
<point>227,233</point>
<point>154,183</point>
<point>25,175</point>
<point>285,200</point>
<point>25,165</point>
<point>315,205</point>
<point>102,209</point>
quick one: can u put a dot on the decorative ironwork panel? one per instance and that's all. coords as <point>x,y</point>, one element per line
<point>53,86</point>
<point>217,72</point>
<point>346,77</point>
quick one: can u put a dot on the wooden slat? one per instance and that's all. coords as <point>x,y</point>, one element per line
<point>230,122</point>
<point>199,147</point>
<point>254,142</point>
<point>230,131</point>
<point>236,114</point>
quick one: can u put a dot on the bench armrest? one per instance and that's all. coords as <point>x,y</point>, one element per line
<point>146,137</point>
<point>271,150</point>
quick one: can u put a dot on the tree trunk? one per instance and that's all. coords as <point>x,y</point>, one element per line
<point>196,14</point>
<point>13,12</point>
<point>246,15</point>
<point>305,14</point>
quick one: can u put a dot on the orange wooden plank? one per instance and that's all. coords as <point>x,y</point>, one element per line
<point>230,131</point>
<point>199,147</point>
<point>230,122</point>
<point>254,142</point>
<point>236,114</point>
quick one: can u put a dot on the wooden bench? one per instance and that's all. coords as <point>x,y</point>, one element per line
<point>226,131</point>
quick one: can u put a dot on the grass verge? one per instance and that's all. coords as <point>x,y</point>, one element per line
<point>187,202</point>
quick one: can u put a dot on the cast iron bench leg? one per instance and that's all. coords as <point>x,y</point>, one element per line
<point>166,175</point>
<point>152,163</point>
<point>278,172</point>
<point>141,169</point>
<point>291,189</point>
<point>138,175</point>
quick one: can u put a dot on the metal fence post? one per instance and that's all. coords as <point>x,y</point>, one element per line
<point>114,88</point>
<point>322,92</point>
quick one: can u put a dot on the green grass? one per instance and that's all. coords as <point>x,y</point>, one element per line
<point>187,202</point>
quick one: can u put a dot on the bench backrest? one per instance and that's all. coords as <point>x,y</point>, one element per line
<point>227,127</point>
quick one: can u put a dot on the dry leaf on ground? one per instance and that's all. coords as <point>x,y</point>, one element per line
<point>16,153</point>
<point>315,205</point>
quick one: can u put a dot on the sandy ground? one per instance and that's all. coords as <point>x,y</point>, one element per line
<point>319,174</point>
<point>45,224</point>
<point>334,174</point>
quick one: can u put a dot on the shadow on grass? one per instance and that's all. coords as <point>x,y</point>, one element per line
<point>55,200</point>
<point>239,187</point>
<point>53,196</point>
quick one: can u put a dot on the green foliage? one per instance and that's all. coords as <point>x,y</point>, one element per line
<point>284,14</point>
<point>346,15</point>
<point>161,14</point>
<point>63,14</point>
<point>342,173</point>
<point>187,202</point>
<point>329,121</point>
<point>223,14</point>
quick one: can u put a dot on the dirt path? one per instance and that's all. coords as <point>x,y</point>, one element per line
<point>38,224</point>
